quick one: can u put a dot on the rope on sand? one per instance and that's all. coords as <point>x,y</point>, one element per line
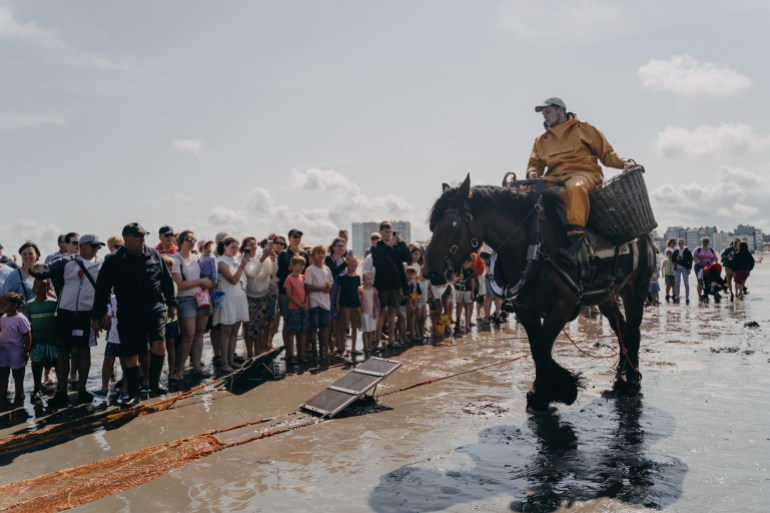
<point>79,485</point>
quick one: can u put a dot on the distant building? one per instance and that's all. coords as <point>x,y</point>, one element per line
<point>719,239</point>
<point>363,230</point>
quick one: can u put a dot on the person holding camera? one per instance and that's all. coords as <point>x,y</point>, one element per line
<point>234,308</point>
<point>260,270</point>
<point>567,155</point>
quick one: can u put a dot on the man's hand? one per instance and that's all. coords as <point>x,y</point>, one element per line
<point>171,312</point>
<point>96,326</point>
<point>629,164</point>
<point>532,175</point>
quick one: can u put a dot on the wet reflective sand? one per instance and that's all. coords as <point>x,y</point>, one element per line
<point>697,441</point>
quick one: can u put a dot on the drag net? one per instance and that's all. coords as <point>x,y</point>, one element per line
<point>86,483</point>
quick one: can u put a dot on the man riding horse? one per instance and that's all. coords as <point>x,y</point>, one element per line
<point>566,155</point>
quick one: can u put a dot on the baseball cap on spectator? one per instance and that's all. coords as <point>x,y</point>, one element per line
<point>221,236</point>
<point>90,239</point>
<point>558,102</point>
<point>164,230</point>
<point>134,229</point>
<point>202,243</point>
<point>294,232</point>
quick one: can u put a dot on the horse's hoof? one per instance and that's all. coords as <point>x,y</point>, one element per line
<point>537,412</point>
<point>627,389</point>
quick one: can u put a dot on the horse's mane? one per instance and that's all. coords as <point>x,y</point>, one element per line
<point>514,202</point>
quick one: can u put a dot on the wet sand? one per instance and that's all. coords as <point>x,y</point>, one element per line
<point>697,441</point>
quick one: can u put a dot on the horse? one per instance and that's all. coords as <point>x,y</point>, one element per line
<point>525,229</point>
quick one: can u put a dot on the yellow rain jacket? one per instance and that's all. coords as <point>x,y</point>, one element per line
<point>572,147</point>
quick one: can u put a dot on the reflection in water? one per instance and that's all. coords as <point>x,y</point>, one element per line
<point>601,451</point>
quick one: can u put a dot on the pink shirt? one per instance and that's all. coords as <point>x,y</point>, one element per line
<point>295,285</point>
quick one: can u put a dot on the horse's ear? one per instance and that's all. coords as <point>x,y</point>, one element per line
<point>464,192</point>
<point>444,187</point>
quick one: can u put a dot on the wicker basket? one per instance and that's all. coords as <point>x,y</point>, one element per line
<point>621,209</point>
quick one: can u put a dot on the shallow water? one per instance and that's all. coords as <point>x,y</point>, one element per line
<point>697,441</point>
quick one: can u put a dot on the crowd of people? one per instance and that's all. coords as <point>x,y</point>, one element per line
<point>678,262</point>
<point>155,304</point>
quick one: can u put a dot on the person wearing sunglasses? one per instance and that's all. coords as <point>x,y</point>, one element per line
<point>167,244</point>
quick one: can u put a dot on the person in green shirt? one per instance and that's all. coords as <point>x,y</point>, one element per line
<point>41,313</point>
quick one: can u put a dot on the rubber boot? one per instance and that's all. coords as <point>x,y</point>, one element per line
<point>156,367</point>
<point>569,254</point>
<point>133,378</point>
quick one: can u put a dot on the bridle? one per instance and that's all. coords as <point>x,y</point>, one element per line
<point>467,218</point>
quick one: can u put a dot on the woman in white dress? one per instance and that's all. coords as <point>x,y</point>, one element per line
<point>234,309</point>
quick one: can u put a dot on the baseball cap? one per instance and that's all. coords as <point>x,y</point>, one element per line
<point>221,236</point>
<point>294,232</point>
<point>90,239</point>
<point>165,229</point>
<point>551,101</point>
<point>134,229</point>
<point>202,243</point>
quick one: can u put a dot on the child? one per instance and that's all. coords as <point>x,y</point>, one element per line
<point>207,262</point>
<point>370,311</point>
<point>41,313</point>
<point>173,331</point>
<point>412,293</point>
<point>653,292</point>
<point>296,321</point>
<point>713,283</point>
<point>15,345</point>
<point>111,350</point>
<point>349,304</point>
<point>465,285</point>
<point>667,269</point>
<point>318,284</point>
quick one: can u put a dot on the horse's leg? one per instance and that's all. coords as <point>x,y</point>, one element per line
<point>552,381</point>
<point>611,311</point>
<point>532,323</point>
<point>633,303</point>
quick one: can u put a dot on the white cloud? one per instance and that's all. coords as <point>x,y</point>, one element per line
<point>323,180</point>
<point>44,235</point>
<point>687,76</point>
<point>193,146</point>
<point>708,141</point>
<point>52,46</point>
<point>10,122</point>
<point>261,214</point>
<point>734,193</point>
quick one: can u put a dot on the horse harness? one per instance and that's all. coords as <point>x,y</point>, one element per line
<point>537,255</point>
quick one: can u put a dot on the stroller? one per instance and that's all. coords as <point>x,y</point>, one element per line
<point>713,283</point>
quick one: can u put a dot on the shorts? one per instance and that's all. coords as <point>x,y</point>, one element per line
<point>670,280</point>
<point>187,306</point>
<point>173,331</point>
<point>272,303</point>
<point>464,297</point>
<point>654,287</point>
<point>319,318</point>
<point>297,320</point>
<point>12,355</point>
<point>368,323</point>
<point>45,354</point>
<point>136,334</point>
<point>72,329</point>
<point>112,350</point>
<point>390,298</point>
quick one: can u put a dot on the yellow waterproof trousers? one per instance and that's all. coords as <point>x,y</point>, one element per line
<point>574,193</point>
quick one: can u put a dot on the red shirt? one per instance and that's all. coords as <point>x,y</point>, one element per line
<point>295,286</point>
<point>172,250</point>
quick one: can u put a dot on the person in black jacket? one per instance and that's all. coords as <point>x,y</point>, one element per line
<point>682,265</point>
<point>389,256</point>
<point>144,291</point>
<point>743,263</point>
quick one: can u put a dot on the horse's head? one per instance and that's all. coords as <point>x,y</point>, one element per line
<point>452,242</point>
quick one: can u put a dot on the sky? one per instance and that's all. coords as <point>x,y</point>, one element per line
<point>251,117</point>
